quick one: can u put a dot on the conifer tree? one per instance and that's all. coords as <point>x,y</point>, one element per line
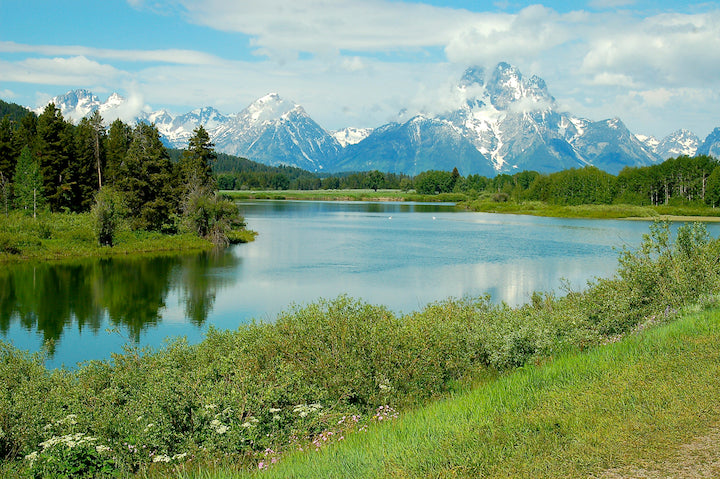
<point>118,142</point>
<point>147,179</point>
<point>52,147</point>
<point>196,161</point>
<point>28,183</point>
<point>82,171</point>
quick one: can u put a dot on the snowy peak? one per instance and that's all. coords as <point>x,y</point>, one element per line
<point>474,75</point>
<point>679,143</point>
<point>75,104</point>
<point>270,107</point>
<point>351,136</point>
<point>711,145</point>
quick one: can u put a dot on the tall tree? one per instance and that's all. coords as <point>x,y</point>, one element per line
<point>8,155</point>
<point>96,122</point>
<point>196,162</point>
<point>52,147</point>
<point>82,171</point>
<point>147,179</point>
<point>28,183</point>
<point>118,141</point>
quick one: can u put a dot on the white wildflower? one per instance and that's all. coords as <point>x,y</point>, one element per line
<point>161,458</point>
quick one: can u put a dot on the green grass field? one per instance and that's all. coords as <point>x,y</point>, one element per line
<point>627,409</point>
<point>54,236</point>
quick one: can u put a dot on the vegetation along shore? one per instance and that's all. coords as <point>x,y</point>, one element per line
<point>332,370</point>
<point>84,190</point>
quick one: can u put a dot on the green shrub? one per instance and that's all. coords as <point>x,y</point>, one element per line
<point>270,387</point>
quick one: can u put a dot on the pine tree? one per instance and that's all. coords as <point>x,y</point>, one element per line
<point>118,142</point>
<point>147,179</point>
<point>52,147</point>
<point>82,171</point>
<point>196,161</point>
<point>8,154</point>
<point>28,183</point>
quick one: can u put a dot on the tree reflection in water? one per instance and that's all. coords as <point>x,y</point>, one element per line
<point>124,292</point>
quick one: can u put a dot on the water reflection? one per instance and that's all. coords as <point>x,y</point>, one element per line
<point>94,294</point>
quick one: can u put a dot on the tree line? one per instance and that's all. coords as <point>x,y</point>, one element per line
<point>121,173</point>
<point>47,162</point>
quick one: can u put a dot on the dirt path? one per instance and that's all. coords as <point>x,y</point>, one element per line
<point>698,459</point>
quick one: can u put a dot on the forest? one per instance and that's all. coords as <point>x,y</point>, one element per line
<point>47,162</point>
<point>119,173</point>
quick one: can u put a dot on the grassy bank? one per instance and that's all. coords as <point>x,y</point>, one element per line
<point>335,368</point>
<point>622,410</point>
<point>536,208</point>
<point>61,236</point>
<point>344,195</point>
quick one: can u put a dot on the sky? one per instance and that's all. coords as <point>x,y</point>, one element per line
<point>654,64</point>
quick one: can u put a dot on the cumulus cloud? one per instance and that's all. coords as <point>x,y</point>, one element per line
<point>317,26</point>
<point>510,37</point>
<point>71,71</point>
<point>663,50</point>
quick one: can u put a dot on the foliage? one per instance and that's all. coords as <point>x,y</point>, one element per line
<point>275,387</point>
<point>210,215</point>
<point>147,180</point>
<point>107,213</point>
<point>28,183</point>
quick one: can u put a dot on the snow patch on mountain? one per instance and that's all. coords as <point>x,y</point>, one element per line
<point>350,135</point>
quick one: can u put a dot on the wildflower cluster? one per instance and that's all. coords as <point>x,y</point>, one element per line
<point>71,455</point>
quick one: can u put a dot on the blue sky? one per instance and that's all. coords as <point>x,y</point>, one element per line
<point>656,65</point>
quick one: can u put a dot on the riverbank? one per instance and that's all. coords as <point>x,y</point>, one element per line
<point>344,195</point>
<point>335,368</point>
<point>536,208</point>
<point>57,236</point>
<point>645,406</point>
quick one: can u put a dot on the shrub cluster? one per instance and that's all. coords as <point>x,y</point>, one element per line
<point>270,387</point>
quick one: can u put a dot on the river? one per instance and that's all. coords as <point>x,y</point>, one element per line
<point>401,255</point>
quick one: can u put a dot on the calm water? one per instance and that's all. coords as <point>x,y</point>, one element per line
<point>397,254</point>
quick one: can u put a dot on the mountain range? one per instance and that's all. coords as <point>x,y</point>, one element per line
<point>502,122</point>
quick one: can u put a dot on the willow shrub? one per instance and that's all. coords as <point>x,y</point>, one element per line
<point>269,387</point>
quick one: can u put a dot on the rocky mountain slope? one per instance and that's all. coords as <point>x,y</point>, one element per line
<point>502,122</point>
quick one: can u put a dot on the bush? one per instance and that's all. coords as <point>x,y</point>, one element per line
<point>276,386</point>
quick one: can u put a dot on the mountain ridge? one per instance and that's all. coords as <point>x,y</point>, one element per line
<point>503,122</point>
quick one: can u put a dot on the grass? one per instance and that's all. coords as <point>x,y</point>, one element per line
<point>622,407</point>
<point>54,236</point>
<point>343,195</point>
<point>538,208</point>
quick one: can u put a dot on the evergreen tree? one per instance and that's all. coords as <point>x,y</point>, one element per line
<point>8,154</point>
<point>147,179</point>
<point>196,162</point>
<point>52,147</point>
<point>28,183</point>
<point>82,171</point>
<point>96,122</point>
<point>118,142</point>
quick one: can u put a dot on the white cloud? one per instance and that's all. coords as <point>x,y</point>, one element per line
<point>182,57</point>
<point>664,50</point>
<point>279,28</point>
<point>73,71</point>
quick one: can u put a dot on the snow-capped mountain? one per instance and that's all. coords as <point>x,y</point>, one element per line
<point>77,104</point>
<point>678,143</point>
<point>502,122</point>
<point>350,135</point>
<point>512,122</point>
<point>276,131</point>
<point>417,145</point>
<point>711,145</point>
